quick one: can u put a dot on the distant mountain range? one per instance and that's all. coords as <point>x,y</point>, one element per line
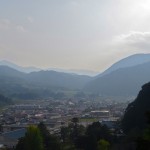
<point>124,78</point>
<point>34,69</point>
<point>38,84</point>
<point>130,61</point>
<point>19,68</point>
<point>75,71</point>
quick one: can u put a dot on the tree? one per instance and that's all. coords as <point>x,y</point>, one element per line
<point>31,141</point>
<point>75,132</point>
<point>21,144</point>
<point>103,145</point>
<point>65,134</point>
<point>50,142</point>
<point>98,131</point>
<point>75,120</point>
<point>143,142</point>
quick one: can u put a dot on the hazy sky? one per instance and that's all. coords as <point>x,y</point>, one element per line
<point>73,34</point>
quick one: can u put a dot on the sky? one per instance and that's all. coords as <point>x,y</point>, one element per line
<point>73,34</point>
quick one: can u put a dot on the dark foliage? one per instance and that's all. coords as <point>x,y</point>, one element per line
<point>135,115</point>
<point>31,141</point>
<point>72,137</point>
<point>84,138</point>
<point>51,142</point>
<point>21,144</point>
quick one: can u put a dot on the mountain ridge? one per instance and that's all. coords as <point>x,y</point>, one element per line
<point>131,60</point>
<point>17,67</point>
<point>124,81</point>
<point>38,84</point>
<point>35,69</point>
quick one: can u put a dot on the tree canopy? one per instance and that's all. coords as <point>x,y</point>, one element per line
<point>31,141</point>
